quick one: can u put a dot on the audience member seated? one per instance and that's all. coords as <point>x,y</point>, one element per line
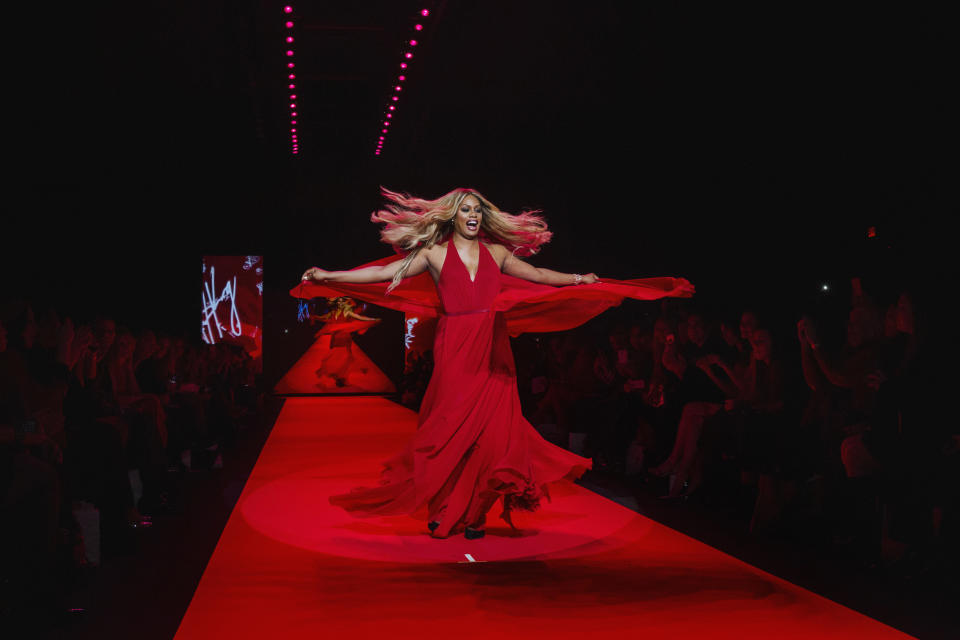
<point>702,391</point>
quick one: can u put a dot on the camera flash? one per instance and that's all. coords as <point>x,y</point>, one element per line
<point>825,287</point>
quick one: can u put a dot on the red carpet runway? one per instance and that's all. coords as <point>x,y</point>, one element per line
<point>288,565</point>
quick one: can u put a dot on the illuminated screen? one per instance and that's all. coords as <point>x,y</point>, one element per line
<point>232,308</point>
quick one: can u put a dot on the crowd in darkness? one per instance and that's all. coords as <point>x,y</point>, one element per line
<point>815,428</point>
<point>96,417</point>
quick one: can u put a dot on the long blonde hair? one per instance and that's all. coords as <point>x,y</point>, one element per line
<point>413,224</point>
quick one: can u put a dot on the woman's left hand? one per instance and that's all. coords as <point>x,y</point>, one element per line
<point>590,278</point>
<point>684,287</point>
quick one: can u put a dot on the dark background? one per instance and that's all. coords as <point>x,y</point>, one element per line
<point>747,149</point>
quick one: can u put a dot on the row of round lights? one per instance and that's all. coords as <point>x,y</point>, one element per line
<point>391,107</point>
<point>291,78</point>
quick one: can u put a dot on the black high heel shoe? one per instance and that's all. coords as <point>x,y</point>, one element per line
<point>473,534</point>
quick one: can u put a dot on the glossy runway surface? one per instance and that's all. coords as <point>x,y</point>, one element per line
<point>289,565</point>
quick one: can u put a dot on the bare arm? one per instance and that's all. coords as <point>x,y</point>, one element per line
<point>730,387</point>
<point>379,273</point>
<point>514,266</point>
<point>834,375</point>
<point>734,378</point>
<point>811,371</point>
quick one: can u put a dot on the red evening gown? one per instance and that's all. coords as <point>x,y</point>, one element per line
<point>473,446</point>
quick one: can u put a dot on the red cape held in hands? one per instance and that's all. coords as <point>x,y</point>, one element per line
<point>527,306</point>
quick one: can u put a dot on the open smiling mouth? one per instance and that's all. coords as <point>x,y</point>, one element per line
<point>472,225</point>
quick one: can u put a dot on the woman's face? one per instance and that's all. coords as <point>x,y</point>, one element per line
<point>469,218</point>
<point>762,343</point>
<point>125,346</point>
<point>728,334</point>
<point>660,330</point>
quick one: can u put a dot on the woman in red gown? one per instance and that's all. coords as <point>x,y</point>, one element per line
<point>473,445</point>
<point>340,323</point>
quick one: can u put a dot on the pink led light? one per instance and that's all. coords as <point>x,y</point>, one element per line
<point>397,88</point>
<point>289,25</point>
<point>289,65</point>
<point>413,43</point>
<point>402,78</point>
<point>291,86</point>
<point>389,115</point>
<point>419,27</point>
<point>289,52</point>
<point>392,107</point>
<point>294,114</point>
<point>407,55</point>
<point>386,123</point>
<point>293,106</point>
<point>424,13</point>
<point>289,9</point>
<point>293,122</point>
<point>293,130</point>
<point>382,137</point>
<point>293,96</point>
<point>403,65</point>
<point>289,39</point>
<point>384,130</point>
<point>395,98</point>
<point>291,77</point>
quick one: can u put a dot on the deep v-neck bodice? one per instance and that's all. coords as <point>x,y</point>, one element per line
<point>452,246</point>
<point>457,292</point>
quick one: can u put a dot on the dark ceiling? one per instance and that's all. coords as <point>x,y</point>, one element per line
<point>681,136</point>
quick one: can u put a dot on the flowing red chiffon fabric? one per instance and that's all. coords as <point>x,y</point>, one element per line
<point>473,446</point>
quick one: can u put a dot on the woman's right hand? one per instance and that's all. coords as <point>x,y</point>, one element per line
<point>315,274</point>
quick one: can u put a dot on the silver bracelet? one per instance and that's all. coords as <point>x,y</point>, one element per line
<point>577,278</point>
